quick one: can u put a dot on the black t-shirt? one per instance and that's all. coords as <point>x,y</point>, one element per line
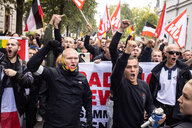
<point>130,102</point>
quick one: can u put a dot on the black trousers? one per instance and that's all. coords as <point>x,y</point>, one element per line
<point>30,111</point>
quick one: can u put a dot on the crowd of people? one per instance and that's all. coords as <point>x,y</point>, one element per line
<point>51,85</point>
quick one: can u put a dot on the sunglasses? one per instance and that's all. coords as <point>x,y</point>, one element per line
<point>174,52</point>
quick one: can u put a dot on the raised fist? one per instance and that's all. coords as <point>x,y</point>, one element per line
<point>54,44</point>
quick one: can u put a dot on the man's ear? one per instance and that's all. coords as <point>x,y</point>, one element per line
<point>19,48</point>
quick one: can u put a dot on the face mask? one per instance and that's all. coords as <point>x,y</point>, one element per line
<point>67,67</point>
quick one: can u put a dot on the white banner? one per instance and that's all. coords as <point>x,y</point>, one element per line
<point>98,76</point>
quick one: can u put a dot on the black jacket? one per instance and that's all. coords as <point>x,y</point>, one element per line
<point>183,75</point>
<point>186,122</point>
<point>146,55</point>
<point>95,51</point>
<point>43,95</point>
<point>102,57</point>
<point>23,79</point>
<point>130,101</point>
<point>68,92</point>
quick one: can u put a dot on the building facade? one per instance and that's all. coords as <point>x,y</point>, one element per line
<point>8,19</point>
<point>175,8</point>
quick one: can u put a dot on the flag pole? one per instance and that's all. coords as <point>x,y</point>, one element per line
<point>84,16</point>
<point>43,22</point>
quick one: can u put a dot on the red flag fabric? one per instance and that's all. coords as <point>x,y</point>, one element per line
<point>160,30</point>
<point>23,52</point>
<point>79,3</point>
<point>34,20</point>
<point>105,24</point>
<point>177,29</point>
<point>40,9</point>
<point>10,120</point>
<point>115,18</point>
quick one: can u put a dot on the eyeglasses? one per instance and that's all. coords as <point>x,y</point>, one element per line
<point>174,52</point>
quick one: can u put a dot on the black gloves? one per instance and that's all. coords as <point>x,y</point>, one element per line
<point>52,44</point>
<point>37,59</point>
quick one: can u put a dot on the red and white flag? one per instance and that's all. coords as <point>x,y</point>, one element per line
<point>36,15</point>
<point>160,30</point>
<point>177,29</point>
<point>105,24</point>
<point>9,114</point>
<point>79,3</point>
<point>115,18</point>
<point>148,30</point>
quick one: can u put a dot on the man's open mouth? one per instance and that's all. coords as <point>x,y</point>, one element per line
<point>132,76</point>
<point>9,51</point>
<point>73,66</point>
<point>174,59</point>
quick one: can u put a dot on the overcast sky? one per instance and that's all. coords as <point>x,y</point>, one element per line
<point>132,3</point>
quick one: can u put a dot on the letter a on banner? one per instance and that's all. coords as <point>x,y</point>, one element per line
<point>105,24</point>
<point>115,18</point>
<point>79,3</point>
<point>178,29</point>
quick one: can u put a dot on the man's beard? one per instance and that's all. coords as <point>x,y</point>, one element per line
<point>14,54</point>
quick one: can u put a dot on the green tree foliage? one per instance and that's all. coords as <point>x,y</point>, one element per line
<point>73,20</point>
<point>142,15</point>
<point>137,16</point>
<point>126,12</point>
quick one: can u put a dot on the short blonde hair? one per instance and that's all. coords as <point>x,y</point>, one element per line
<point>58,60</point>
<point>156,50</point>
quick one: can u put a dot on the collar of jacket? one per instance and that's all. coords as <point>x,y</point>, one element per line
<point>6,62</point>
<point>180,65</point>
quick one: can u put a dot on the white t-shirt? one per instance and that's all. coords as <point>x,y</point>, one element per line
<point>168,81</point>
<point>8,101</point>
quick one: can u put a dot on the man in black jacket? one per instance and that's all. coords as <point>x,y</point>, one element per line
<point>104,56</point>
<point>131,95</point>
<point>95,51</point>
<point>68,89</point>
<point>114,53</point>
<point>146,52</point>
<point>167,81</point>
<point>14,78</point>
